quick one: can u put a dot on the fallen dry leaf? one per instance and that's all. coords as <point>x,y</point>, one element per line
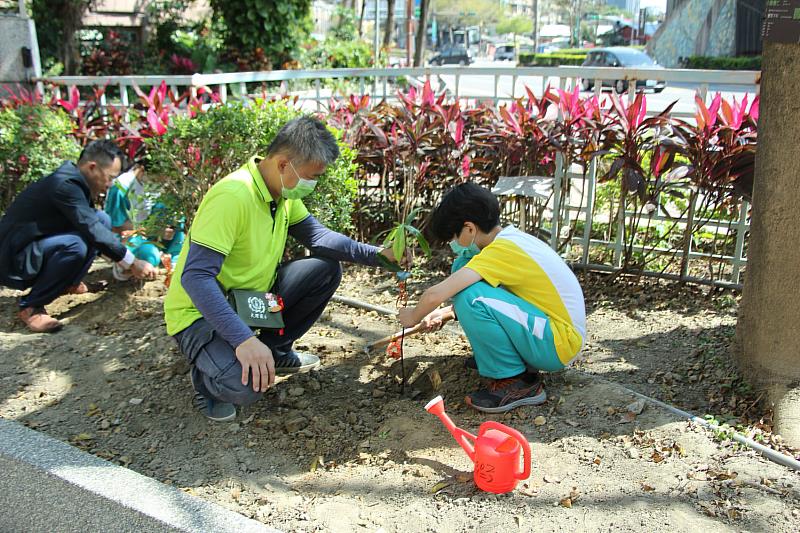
<point>463,477</point>
<point>566,502</point>
<point>657,457</point>
<point>439,486</point>
<point>647,488</point>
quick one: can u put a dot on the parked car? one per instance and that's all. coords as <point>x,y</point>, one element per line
<point>504,52</point>
<point>622,57</point>
<point>452,55</point>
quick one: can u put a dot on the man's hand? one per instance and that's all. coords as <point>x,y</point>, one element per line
<point>142,270</point>
<point>405,262</point>
<point>256,358</point>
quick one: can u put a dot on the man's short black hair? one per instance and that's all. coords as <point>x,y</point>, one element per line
<point>103,152</point>
<point>467,202</point>
<point>306,139</point>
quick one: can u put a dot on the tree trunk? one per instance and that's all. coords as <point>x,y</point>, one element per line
<point>387,31</point>
<point>71,14</point>
<point>422,32</point>
<point>361,18</point>
<point>767,333</point>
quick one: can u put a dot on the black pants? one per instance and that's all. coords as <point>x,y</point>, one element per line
<point>306,285</point>
<point>66,259</point>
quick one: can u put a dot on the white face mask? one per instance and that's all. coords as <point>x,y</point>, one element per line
<point>303,188</point>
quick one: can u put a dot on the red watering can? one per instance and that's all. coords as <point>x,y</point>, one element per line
<point>495,451</point>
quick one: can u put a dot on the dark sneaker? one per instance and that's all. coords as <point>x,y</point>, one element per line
<point>214,410</point>
<point>503,395</point>
<point>295,362</point>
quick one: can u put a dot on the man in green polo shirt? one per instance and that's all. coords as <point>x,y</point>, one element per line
<point>237,241</point>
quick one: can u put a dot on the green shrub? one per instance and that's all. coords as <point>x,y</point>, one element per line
<point>34,141</point>
<point>724,63</point>
<point>571,56</point>
<point>333,53</point>
<point>197,152</point>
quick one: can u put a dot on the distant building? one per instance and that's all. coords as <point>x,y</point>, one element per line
<point>130,16</point>
<point>718,28</point>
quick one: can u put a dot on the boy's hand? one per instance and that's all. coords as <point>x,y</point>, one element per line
<point>433,321</point>
<point>406,317</point>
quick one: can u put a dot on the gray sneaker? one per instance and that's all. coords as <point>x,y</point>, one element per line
<point>214,410</point>
<point>295,363</point>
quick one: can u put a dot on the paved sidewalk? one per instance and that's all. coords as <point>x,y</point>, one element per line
<point>47,485</point>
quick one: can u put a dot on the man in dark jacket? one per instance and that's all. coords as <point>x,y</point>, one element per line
<point>51,233</point>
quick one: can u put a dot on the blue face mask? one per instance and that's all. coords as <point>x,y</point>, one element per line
<point>467,251</point>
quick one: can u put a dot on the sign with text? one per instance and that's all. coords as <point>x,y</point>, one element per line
<point>782,21</point>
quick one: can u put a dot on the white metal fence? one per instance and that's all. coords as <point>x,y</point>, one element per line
<point>313,92</point>
<point>381,83</point>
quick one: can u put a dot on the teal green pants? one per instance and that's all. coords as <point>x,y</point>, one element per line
<point>507,334</point>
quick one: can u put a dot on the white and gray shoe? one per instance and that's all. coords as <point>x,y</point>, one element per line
<point>296,363</point>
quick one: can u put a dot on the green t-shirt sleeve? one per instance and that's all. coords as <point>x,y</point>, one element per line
<point>218,220</point>
<point>297,211</point>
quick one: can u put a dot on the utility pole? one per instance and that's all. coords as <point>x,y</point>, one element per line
<point>377,31</point>
<point>535,26</point>
<point>409,29</point>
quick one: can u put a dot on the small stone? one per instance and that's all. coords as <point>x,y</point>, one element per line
<point>296,391</point>
<point>539,421</point>
<point>135,401</point>
<point>636,407</point>
<point>314,385</point>
<point>633,453</point>
<point>378,393</point>
<point>233,428</point>
<point>364,444</point>
<point>105,424</point>
<point>296,424</point>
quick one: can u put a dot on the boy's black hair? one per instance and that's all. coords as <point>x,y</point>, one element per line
<point>466,202</point>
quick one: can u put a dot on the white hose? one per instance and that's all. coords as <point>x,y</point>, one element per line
<point>769,453</point>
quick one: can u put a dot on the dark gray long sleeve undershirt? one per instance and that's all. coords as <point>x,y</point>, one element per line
<point>203,266</point>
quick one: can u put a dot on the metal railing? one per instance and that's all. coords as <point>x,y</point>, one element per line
<point>382,83</point>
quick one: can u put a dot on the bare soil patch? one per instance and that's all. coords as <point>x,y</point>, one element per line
<point>341,450</point>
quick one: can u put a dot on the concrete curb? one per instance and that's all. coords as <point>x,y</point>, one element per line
<point>47,485</point>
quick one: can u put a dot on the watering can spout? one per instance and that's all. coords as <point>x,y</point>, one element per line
<point>465,439</point>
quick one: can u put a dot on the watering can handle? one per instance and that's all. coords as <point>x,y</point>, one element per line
<point>464,438</point>
<point>517,436</point>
